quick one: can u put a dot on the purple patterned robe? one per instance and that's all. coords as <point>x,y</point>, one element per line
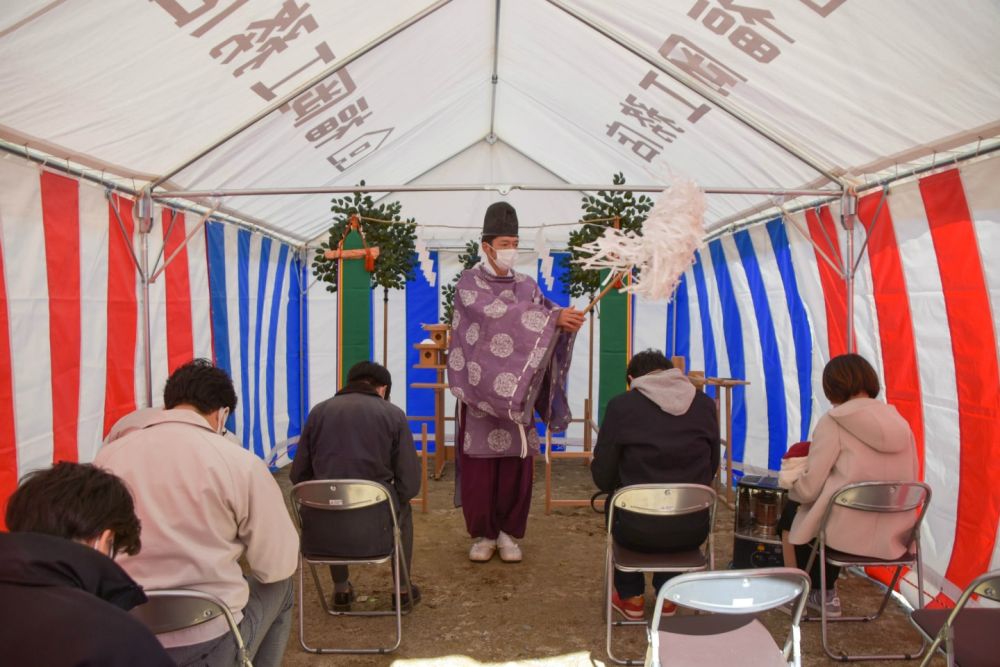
<point>506,361</point>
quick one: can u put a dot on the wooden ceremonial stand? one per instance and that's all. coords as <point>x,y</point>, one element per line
<point>587,454</point>
<point>434,354</point>
<point>725,396</point>
<point>727,384</point>
<point>422,500</point>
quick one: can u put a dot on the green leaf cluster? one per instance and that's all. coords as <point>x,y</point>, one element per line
<point>467,259</point>
<point>631,211</point>
<point>395,239</point>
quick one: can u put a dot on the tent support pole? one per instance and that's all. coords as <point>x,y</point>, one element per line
<point>869,230</point>
<point>163,246</point>
<point>145,226</point>
<point>140,263</point>
<point>502,188</point>
<point>848,217</point>
<point>184,243</point>
<point>702,91</point>
<point>728,228</point>
<point>822,252</point>
<point>282,101</point>
<point>121,225</point>
<point>491,138</point>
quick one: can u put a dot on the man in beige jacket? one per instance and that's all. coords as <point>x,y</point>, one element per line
<point>205,503</point>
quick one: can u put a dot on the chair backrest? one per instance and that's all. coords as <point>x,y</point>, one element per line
<point>735,592</point>
<point>886,497</point>
<point>663,499</point>
<point>987,586</point>
<point>168,610</point>
<point>339,495</point>
<point>883,496</point>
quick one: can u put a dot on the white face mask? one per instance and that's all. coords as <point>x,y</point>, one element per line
<point>505,258</point>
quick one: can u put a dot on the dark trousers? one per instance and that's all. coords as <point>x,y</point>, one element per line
<point>356,534</point>
<point>802,551</point>
<point>651,534</point>
<point>495,494</point>
<point>267,618</point>
<point>340,573</point>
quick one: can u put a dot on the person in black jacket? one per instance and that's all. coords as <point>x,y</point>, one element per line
<point>63,600</point>
<point>359,434</point>
<point>662,431</point>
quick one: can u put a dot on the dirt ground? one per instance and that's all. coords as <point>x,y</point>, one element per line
<point>545,610</point>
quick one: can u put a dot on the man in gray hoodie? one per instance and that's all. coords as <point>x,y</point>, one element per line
<point>662,431</point>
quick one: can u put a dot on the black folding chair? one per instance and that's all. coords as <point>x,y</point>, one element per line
<point>662,500</point>
<point>344,496</point>
<point>172,609</point>
<point>968,637</point>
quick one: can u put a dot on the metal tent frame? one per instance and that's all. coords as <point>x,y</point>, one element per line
<point>159,189</point>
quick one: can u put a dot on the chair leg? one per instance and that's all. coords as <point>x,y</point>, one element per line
<point>844,657</point>
<point>399,598</point>
<point>302,615</point>
<point>397,588</point>
<point>609,621</point>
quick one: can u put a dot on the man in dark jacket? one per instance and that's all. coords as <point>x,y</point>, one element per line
<point>663,431</point>
<point>63,600</point>
<point>359,434</point>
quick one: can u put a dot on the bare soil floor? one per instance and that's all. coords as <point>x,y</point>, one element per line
<point>545,610</point>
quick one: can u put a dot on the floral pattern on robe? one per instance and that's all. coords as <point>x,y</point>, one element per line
<point>507,360</point>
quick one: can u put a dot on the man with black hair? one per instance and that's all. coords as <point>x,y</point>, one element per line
<point>63,599</point>
<point>359,434</point>
<point>205,503</point>
<point>662,431</point>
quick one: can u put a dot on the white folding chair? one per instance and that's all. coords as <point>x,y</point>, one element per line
<point>731,633</point>
<point>969,637</point>
<point>346,495</point>
<point>882,497</point>
<point>171,609</point>
<point>663,500</point>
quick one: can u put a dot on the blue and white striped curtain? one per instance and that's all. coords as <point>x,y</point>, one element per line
<point>258,322</point>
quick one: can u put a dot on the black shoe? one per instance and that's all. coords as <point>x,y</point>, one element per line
<point>406,599</point>
<point>342,601</point>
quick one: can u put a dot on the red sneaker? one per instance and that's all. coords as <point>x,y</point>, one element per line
<point>633,609</point>
<point>668,609</point>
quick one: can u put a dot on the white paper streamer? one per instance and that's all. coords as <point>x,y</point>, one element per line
<point>424,259</point>
<point>670,236</point>
<point>545,255</point>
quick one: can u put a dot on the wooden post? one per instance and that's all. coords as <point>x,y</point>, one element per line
<point>423,467</point>
<point>385,327</point>
<point>678,362</point>
<point>440,453</point>
<point>726,385</point>
<point>548,472</point>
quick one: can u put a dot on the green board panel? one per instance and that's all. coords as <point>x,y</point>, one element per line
<point>356,310</point>
<point>613,354</point>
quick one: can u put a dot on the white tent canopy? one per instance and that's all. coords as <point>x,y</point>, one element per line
<point>809,91</point>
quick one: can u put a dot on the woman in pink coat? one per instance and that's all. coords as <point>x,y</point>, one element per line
<point>860,439</point>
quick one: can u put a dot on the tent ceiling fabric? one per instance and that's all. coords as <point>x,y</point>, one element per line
<point>140,88</point>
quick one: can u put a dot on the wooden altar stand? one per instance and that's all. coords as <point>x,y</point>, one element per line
<point>433,354</point>
<point>422,498</point>
<point>726,396</point>
<point>589,428</point>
